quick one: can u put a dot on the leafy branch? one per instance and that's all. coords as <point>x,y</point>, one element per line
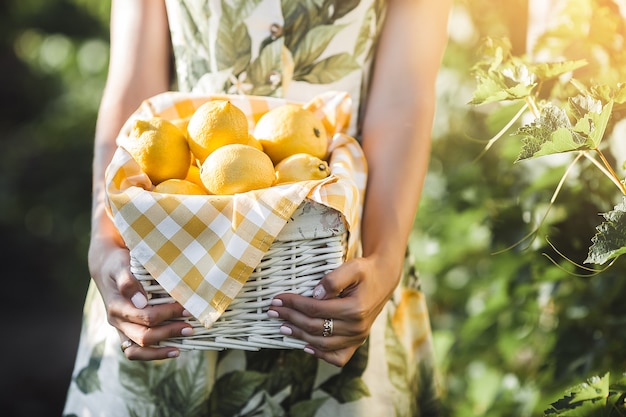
<point>579,125</point>
<point>595,397</point>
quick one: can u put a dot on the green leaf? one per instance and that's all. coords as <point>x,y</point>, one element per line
<point>345,389</point>
<point>233,49</point>
<point>492,89</point>
<point>553,132</point>
<point>314,43</point>
<point>348,385</point>
<point>364,32</point>
<point>343,7</point>
<point>233,390</point>
<point>396,358</point>
<point>307,408</point>
<point>87,379</point>
<point>585,399</point>
<point>610,239</point>
<point>549,70</point>
<point>330,69</point>
<point>268,60</point>
<point>619,96</point>
<point>598,123</point>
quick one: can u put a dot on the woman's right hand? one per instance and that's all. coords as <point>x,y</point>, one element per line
<point>127,306</point>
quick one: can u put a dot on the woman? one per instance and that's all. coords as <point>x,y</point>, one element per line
<point>378,360</point>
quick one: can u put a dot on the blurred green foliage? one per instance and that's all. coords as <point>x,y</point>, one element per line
<point>515,324</point>
<point>54,59</point>
<point>512,329</point>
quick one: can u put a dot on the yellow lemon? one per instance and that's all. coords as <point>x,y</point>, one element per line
<point>301,167</point>
<point>252,141</point>
<point>290,129</point>
<point>214,124</point>
<point>181,123</point>
<point>236,168</point>
<point>160,149</point>
<point>176,186</point>
<point>193,175</point>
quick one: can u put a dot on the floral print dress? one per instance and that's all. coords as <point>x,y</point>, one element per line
<point>282,48</point>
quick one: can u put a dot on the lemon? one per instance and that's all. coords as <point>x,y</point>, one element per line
<point>236,168</point>
<point>290,129</point>
<point>252,141</point>
<point>193,175</point>
<point>177,186</point>
<point>301,167</point>
<point>181,123</point>
<point>214,124</point>
<point>160,149</point>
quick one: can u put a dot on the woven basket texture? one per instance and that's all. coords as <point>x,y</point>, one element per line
<point>312,244</point>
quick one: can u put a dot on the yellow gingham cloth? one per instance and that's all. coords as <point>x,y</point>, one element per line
<point>202,249</point>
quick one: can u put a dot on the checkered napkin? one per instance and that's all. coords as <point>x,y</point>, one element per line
<point>202,249</point>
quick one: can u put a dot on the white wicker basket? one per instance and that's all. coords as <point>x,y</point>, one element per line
<point>312,244</point>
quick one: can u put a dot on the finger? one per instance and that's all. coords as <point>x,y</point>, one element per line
<point>151,336</point>
<point>310,326</point>
<point>321,343</point>
<point>133,351</point>
<point>291,307</point>
<point>122,310</point>
<point>337,282</point>
<point>130,288</point>
<point>334,357</point>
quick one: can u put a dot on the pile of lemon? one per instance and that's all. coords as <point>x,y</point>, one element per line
<point>214,152</point>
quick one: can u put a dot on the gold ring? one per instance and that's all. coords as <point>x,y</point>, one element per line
<point>126,344</point>
<point>328,328</point>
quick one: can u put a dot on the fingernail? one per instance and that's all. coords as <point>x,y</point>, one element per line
<point>187,331</point>
<point>277,302</point>
<point>272,313</point>
<point>186,313</point>
<point>309,351</point>
<point>139,300</point>
<point>286,330</point>
<point>173,354</point>
<point>319,292</point>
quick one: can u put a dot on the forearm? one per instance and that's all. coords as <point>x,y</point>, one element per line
<point>397,126</point>
<point>397,169</point>
<point>138,68</point>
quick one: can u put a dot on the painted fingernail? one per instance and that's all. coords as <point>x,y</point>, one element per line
<point>139,300</point>
<point>186,313</point>
<point>286,330</point>
<point>277,302</point>
<point>309,351</point>
<point>187,331</point>
<point>173,354</point>
<point>273,314</point>
<point>319,292</point>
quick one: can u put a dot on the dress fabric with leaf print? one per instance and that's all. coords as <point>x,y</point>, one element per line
<point>295,50</point>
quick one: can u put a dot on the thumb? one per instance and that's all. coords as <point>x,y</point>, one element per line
<point>132,289</point>
<point>335,283</point>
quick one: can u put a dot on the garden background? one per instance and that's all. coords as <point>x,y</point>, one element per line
<point>515,325</point>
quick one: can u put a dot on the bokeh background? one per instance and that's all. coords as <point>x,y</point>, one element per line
<point>513,329</point>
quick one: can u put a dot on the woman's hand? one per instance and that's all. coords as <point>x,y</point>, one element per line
<point>127,306</point>
<point>352,296</point>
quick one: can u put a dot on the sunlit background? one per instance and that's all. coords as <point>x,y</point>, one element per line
<point>512,329</point>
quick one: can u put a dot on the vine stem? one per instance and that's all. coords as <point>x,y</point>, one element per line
<point>611,172</point>
<point>502,132</point>
<point>533,106</point>
<point>606,171</point>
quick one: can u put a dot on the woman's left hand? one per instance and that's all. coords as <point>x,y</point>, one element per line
<point>349,299</point>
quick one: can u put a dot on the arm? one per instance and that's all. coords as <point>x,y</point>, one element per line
<point>396,141</point>
<point>138,69</point>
